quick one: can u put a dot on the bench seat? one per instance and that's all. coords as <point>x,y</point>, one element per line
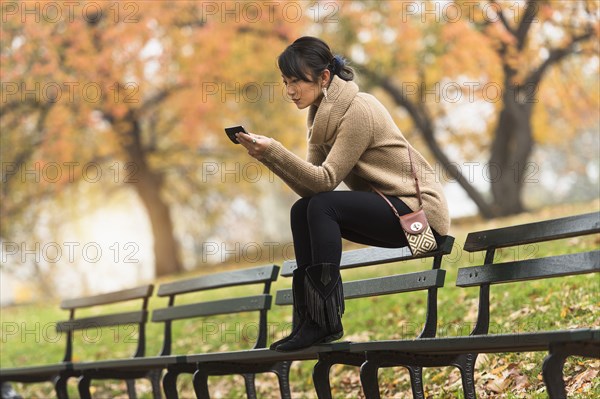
<point>493,343</point>
<point>33,373</point>
<point>247,355</point>
<point>266,355</point>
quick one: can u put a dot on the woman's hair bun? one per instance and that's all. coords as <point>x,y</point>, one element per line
<point>337,63</point>
<point>339,67</point>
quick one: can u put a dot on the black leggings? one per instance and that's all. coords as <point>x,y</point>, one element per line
<point>320,222</point>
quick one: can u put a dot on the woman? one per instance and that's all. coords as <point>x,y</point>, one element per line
<point>352,139</point>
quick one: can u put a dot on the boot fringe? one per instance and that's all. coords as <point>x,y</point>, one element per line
<point>325,311</point>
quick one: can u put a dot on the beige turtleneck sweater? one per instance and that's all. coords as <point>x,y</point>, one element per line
<point>353,138</point>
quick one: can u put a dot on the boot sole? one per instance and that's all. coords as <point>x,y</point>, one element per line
<point>324,340</point>
<point>275,344</point>
<point>332,337</point>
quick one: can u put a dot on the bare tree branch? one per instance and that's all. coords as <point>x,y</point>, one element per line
<point>531,10</point>
<point>556,55</point>
<point>503,18</point>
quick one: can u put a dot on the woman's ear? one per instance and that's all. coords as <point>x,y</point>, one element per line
<point>325,76</point>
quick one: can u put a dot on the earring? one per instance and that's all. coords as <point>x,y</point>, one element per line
<point>324,89</point>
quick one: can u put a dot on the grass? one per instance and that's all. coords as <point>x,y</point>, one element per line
<point>28,334</point>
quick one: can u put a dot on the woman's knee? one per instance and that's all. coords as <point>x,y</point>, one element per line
<point>306,209</point>
<point>322,204</point>
<point>299,208</point>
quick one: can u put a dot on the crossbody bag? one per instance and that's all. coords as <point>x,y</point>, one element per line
<point>414,225</point>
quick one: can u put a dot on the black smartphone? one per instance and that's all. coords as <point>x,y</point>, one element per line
<point>232,131</point>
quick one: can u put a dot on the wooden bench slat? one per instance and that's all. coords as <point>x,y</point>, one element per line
<point>377,255</point>
<point>462,344</point>
<point>32,373</point>
<point>132,364</point>
<point>395,284</point>
<point>141,292</point>
<point>494,343</point>
<point>115,319</point>
<point>381,285</point>
<point>226,306</point>
<point>570,226</point>
<point>530,269</point>
<point>260,355</point>
<point>220,280</point>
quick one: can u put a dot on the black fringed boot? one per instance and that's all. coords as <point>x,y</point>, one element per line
<point>324,295</point>
<point>299,305</point>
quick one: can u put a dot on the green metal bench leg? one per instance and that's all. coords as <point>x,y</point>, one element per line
<point>60,386</point>
<point>170,384</point>
<point>131,389</point>
<point>83,386</point>
<point>466,365</point>
<point>200,381</point>
<point>416,381</point>
<point>552,371</point>
<point>370,383</point>
<point>282,371</point>
<point>368,379</point>
<point>154,377</point>
<point>321,378</point>
<point>249,380</point>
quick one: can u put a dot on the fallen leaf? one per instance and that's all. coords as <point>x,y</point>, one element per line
<point>578,382</point>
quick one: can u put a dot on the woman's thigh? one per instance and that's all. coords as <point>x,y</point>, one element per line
<point>362,217</point>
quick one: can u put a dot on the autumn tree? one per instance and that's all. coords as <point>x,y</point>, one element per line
<point>428,56</point>
<point>138,83</point>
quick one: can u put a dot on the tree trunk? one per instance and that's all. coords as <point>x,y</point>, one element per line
<point>148,186</point>
<point>165,246</point>
<point>511,148</point>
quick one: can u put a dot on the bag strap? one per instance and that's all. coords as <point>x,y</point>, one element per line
<point>388,202</point>
<point>412,169</point>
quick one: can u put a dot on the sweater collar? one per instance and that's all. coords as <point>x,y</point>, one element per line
<point>324,119</point>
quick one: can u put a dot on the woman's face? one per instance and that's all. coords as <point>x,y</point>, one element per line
<point>303,93</point>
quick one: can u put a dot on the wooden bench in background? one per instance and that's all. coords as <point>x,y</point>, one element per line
<point>176,364</point>
<point>60,373</point>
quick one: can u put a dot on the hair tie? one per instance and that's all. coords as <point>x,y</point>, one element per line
<point>336,64</point>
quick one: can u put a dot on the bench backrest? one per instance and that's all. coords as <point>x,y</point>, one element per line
<point>429,280</point>
<point>138,317</point>
<point>264,275</point>
<point>529,269</point>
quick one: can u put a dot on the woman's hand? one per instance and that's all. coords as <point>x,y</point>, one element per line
<point>254,143</point>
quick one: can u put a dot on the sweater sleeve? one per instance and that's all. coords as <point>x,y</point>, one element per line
<point>316,155</point>
<point>354,135</point>
<point>280,171</point>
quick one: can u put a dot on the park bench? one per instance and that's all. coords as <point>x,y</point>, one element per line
<point>462,351</point>
<point>176,364</point>
<point>426,350</point>
<point>257,360</point>
<point>105,316</point>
